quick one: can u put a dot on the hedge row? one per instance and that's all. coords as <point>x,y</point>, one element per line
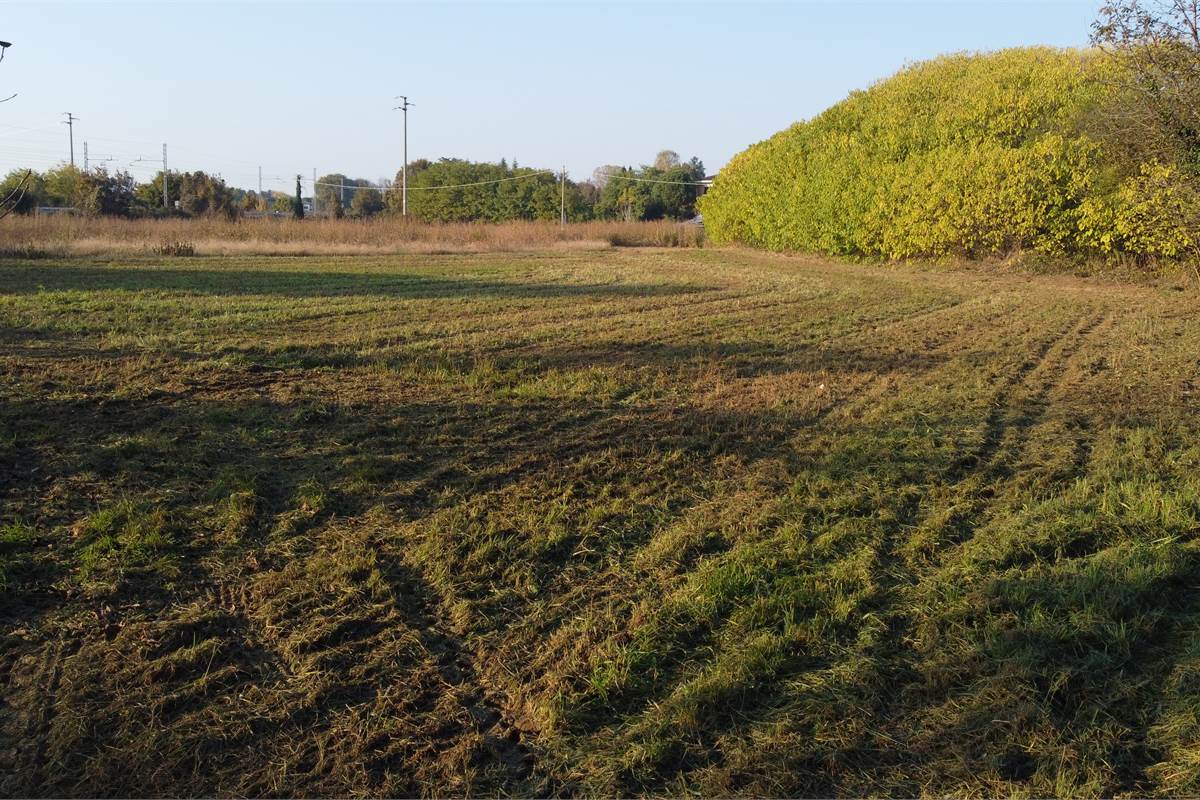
<point>966,155</point>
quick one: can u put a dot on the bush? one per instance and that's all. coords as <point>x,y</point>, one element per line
<point>966,155</point>
<point>175,249</point>
<point>1147,215</point>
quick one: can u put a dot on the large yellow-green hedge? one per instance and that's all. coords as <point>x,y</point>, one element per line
<point>963,155</point>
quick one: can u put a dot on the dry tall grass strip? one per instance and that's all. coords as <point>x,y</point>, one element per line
<point>60,235</point>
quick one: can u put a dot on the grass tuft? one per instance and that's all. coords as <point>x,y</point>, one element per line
<point>123,541</point>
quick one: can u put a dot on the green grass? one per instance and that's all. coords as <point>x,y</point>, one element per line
<point>595,523</point>
<point>123,540</point>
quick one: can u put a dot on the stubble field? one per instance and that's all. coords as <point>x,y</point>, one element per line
<point>611,522</point>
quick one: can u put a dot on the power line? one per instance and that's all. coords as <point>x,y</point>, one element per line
<point>446,186</point>
<point>122,141</point>
<point>653,180</point>
<point>481,183</point>
<point>13,129</point>
<point>31,151</point>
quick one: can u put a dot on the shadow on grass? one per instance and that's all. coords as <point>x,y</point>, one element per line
<point>396,284</point>
<point>313,470</point>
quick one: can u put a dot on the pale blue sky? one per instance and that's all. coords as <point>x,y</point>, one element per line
<point>292,86</point>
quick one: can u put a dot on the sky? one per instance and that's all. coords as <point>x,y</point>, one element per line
<point>294,86</point>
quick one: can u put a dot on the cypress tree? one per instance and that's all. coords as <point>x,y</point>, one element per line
<point>298,204</point>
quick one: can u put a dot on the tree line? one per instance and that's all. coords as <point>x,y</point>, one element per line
<point>446,190</point>
<point>100,192</point>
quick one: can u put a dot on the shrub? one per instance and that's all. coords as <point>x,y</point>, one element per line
<point>968,155</point>
<point>1146,215</point>
<point>175,248</point>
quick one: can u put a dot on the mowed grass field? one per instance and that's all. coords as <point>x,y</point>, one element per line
<point>623,522</point>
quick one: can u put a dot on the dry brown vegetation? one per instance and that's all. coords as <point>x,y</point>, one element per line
<point>62,235</point>
<point>623,522</point>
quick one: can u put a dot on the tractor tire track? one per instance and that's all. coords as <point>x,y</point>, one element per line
<point>1014,417</point>
<point>1006,432</point>
<point>29,707</point>
<point>505,735</point>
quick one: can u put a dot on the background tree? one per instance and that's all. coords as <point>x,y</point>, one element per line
<point>601,174</point>
<point>194,194</point>
<point>456,190</point>
<point>334,186</point>
<point>1149,125</point>
<point>150,195</point>
<point>94,192</point>
<point>672,193</point>
<point>22,191</point>
<point>367,202</point>
<point>62,186</point>
<point>99,192</point>
<point>622,197</point>
<point>651,192</point>
<point>251,201</point>
<point>1155,113</point>
<point>665,160</point>
<point>394,200</point>
<point>589,194</point>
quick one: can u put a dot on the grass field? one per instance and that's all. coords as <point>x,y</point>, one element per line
<point>595,523</point>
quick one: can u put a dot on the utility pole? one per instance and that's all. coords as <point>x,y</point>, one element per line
<point>404,104</point>
<point>260,181</point>
<point>85,164</point>
<point>562,197</point>
<point>70,123</point>
<point>166,203</point>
